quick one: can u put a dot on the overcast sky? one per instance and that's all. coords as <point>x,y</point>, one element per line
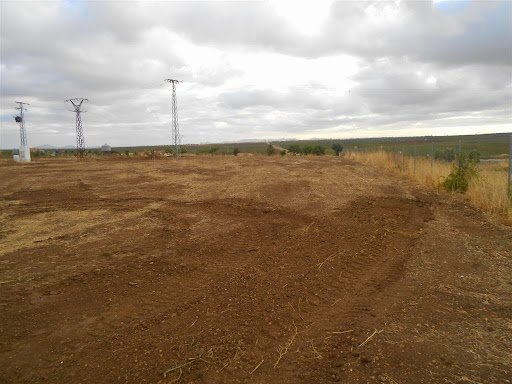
<point>255,70</point>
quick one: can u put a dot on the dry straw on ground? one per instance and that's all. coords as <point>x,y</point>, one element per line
<point>487,190</point>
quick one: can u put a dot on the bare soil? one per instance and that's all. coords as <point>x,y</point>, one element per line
<point>246,269</point>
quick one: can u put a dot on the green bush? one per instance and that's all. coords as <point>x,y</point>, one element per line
<point>295,148</point>
<point>282,153</point>
<point>462,171</point>
<point>307,149</point>
<point>271,150</point>
<point>318,150</point>
<point>236,151</point>
<point>212,150</point>
<point>337,148</point>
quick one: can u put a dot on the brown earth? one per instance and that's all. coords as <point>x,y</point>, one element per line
<point>255,269</point>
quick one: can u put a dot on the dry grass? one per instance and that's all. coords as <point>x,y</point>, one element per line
<point>486,191</point>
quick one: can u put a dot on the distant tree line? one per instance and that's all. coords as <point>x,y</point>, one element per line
<point>314,149</point>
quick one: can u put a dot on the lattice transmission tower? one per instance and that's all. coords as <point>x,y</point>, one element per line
<point>24,152</point>
<point>80,142</point>
<point>176,138</point>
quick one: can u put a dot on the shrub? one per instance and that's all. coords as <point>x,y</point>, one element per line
<point>474,156</point>
<point>271,150</point>
<point>212,150</point>
<point>338,148</point>
<point>318,150</point>
<point>448,154</point>
<point>282,153</point>
<point>295,148</point>
<point>236,151</point>
<point>307,149</point>
<point>462,171</point>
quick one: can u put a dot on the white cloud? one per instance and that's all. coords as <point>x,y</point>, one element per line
<point>255,69</point>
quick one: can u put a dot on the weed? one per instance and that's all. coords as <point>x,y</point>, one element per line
<point>462,171</point>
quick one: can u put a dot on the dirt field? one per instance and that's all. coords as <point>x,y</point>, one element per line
<point>246,269</point>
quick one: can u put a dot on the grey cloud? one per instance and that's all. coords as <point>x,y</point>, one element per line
<point>117,54</point>
<point>471,32</point>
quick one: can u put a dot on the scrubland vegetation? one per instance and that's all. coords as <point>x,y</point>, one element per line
<point>483,184</point>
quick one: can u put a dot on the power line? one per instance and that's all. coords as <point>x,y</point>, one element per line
<point>80,142</point>
<point>176,138</point>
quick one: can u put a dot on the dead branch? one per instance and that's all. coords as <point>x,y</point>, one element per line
<point>320,265</point>
<point>298,311</point>
<point>283,349</point>
<point>336,302</point>
<point>178,378</point>
<point>307,228</point>
<point>298,307</point>
<point>315,351</point>
<point>369,337</point>
<point>256,367</point>
<point>192,360</point>
<point>229,361</point>
<point>340,332</point>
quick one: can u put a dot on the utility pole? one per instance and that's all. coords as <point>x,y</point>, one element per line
<point>80,142</point>
<point>176,139</point>
<point>24,154</point>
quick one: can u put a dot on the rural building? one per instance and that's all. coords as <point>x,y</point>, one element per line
<point>105,148</point>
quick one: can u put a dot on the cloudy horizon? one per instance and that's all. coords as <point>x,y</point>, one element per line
<point>255,70</point>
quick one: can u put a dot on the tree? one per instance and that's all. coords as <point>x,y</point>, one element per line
<point>338,148</point>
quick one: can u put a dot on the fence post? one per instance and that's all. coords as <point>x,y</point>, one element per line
<point>509,190</point>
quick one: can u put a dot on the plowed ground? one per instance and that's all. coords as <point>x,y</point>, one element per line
<point>246,269</point>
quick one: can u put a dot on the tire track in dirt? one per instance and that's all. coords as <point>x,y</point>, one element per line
<point>365,278</point>
<point>223,273</point>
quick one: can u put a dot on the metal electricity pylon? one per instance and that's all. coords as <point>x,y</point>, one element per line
<point>80,142</point>
<point>21,120</point>
<point>176,139</point>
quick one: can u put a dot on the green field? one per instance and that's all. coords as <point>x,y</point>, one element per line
<point>488,146</point>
